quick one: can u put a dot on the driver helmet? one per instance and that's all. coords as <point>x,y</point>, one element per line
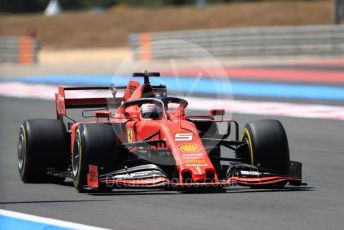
<point>150,111</point>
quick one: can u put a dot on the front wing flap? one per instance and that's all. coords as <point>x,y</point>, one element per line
<point>151,176</point>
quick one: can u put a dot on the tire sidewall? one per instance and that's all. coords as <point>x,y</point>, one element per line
<point>93,150</point>
<point>268,145</point>
<point>23,169</point>
<point>45,146</point>
<point>80,179</point>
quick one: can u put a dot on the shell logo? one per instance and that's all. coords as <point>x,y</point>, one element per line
<point>188,147</point>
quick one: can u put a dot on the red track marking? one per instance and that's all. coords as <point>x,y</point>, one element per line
<point>268,74</point>
<point>334,62</point>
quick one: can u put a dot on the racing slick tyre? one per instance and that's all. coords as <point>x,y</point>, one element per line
<point>43,144</point>
<point>94,144</point>
<point>267,145</point>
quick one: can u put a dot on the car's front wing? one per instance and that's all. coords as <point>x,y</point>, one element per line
<point>151,176</point>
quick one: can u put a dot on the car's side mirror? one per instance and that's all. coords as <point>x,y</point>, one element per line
<point>216,112</point>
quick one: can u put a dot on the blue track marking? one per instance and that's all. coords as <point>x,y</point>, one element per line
<point>17,220</point>
<point>204,85</point>
<point>14,223</point>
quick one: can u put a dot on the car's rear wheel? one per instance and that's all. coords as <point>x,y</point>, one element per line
<point>94,144</point>
<point>267,145</point>
<point>43,144</point>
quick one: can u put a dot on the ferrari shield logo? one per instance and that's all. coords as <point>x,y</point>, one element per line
<point>130,135</point>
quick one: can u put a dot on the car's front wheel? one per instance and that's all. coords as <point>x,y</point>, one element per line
<point>94,144</point>
<point>267,145</point>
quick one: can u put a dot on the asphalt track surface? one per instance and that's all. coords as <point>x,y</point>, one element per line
<point>319,144</point>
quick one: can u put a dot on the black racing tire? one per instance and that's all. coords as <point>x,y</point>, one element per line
<point>93,144</point>
<point>267,145</point>
<point>43,144</point>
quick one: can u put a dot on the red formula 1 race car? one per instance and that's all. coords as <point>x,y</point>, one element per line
<point>144,139</point>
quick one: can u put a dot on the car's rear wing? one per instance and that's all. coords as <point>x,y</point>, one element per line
<point>63,103</point>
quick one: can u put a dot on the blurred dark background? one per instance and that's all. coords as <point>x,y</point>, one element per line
<point>32,6</point>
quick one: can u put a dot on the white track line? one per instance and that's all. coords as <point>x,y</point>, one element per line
<point>47,221</point>
<point>47,92</point>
